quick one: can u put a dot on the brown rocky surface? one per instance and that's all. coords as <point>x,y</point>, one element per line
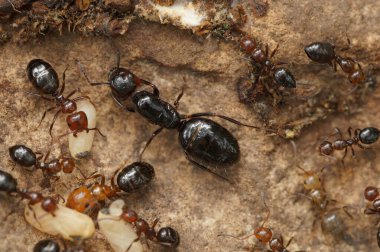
<point>196,203</point>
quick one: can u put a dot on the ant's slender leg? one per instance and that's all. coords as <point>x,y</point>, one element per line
<point>81,68</point>
<point>155,133</point>
<point>63,81</point>
<point>223,117</point>
<point>266,50</point>
<point>348,47</point>
<point>117,58</point>
<point>349,130</point>
<point>95,176</point>
<point>334,65</point>
<point>337,130</point>
<point>52,124</point>
<point>120,103</point>
<point>71,93</point>
<point>88,129</point>
<point>79,98</point>
<point>155,222</point>
<point>273,52</point>
<point>38,95</point>
<point>44,115</point>
<point>176,102</point>
<point>290,241</point>
<point>156,92</point>
<point>353,152</point>
<point>207,169</point>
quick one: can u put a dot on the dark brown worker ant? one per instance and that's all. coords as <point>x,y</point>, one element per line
<point>25,157</point>
<point>129,179</point>
<point>166,236</point>
<point>123,83</point>
<point>8,184</point>
<point>45,79</point>
<point>371,194</point>
<point>267,71</point>
<point>324,52</point>
<point>264,235</point>
<point>367,135</point>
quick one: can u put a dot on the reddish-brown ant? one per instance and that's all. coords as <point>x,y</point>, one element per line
<point>45,79</point>
<point>367,135</point>
<point>166,236</point>
<point>130,178</point>
<point>324,52</point>
<point>267,70</point>
<point>265,235</point>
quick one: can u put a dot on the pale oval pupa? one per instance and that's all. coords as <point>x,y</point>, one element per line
<point>119,233</point>
<point>80,146</point>
<point>66,223</point>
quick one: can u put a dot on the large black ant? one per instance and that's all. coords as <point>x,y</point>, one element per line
<point>267,70</point>
<point>25,157</point>
<point>45,79</point>
<point>324,52</point>
<point>265,235</point>
<point>201,139</point>
<point>367,135</point>
<point>166,236</point>
<point>129,179</point>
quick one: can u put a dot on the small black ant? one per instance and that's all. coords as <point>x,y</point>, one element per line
<point>25,157</point>
<point>123,83</point>
<point>324,52</point>
<point>367,135</point>
<point>45,79</point>
<point>166,236</point>
<point>265,235</point>
<point>130,179</point>
<point>266,68</point>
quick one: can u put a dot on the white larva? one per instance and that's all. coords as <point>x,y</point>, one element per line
<point>80,146</point>
<point>119,233</point>
<point>66,223</point>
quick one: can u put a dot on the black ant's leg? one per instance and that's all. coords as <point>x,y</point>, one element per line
<point>52,124</point>
<point>176,102</point>
<point>44,115</point>
<point>155,133</point>
<point>81,68</point>
<point>353,152</point>
<point>63,81</point>
<point>349,130</point>
<point>290,241</point>
<point>120,103</point>
<point>274,52</point>
<point>38,95</point>
<point>337,130</point>
<point>156,92</point>
<point>207,169</point>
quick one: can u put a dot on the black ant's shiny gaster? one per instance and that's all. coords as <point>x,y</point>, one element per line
<point>8,183</point>
<point>135,176</point>
<point>43,76</point>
